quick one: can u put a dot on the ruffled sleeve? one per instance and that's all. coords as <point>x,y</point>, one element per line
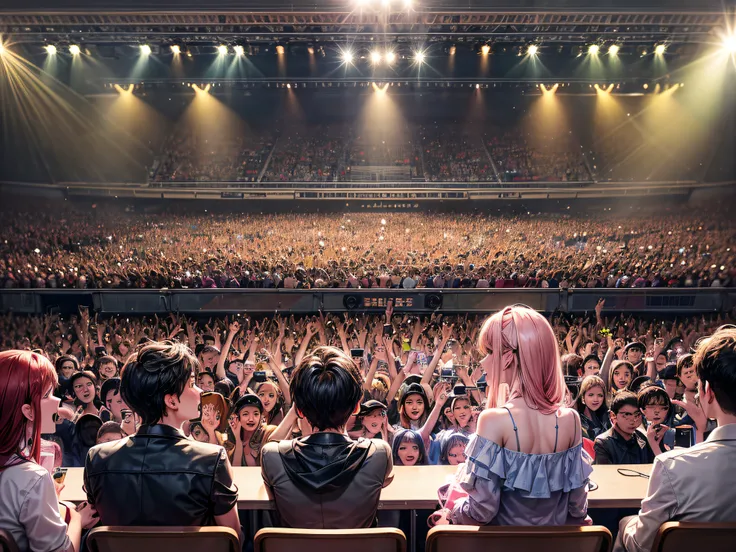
<point>491,469</point>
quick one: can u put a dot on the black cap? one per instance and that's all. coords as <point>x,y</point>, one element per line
<point>372,404</point>
<point>412,389</point>
<point>249,399</point>
<point>635,385</point>
<point>412,378</point>
<point>635,345</point>
<point>669,372</point>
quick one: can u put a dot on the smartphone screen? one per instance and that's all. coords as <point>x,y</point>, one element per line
<point>684,436</point>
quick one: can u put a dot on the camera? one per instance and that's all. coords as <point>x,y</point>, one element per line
<point>356,353</point>
<point>259,376</point>
<point>448,374</point>
<point>388,330</point>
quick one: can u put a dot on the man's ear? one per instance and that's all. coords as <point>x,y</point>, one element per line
<point>707,394</point>
<point>171,401</point>
<point>613,416</point>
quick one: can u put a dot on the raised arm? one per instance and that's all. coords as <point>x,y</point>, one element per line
<point>446,334</point>
<point>233,330</point>
<point>440,397</point>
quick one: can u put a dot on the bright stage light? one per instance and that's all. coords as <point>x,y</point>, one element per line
<point>485,49</point>
<point>729,44</point>
<point>145,49</point>
<point>2,48</point>
<point>50,49</point>
<point>453,49</point>
<point>532,50</point>
<point>74,50</point>
<point>280,50</point>
<point>419,56</point>
<point>346,56</point>
<point>390,57</point>
<point>660,49</point>
<point>175,49</point>
<point>614,49</point>
<point>407,4</point>
<point>222,50</point>
<point>594,49</point>
<point>376,57</point>
<point>239,50</point>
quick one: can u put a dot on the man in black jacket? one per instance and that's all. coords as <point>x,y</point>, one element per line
<point>158,476</point>
<point>624,443</point>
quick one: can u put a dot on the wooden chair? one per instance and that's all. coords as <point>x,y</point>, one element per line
<point>162,539</point>
<point>676,536</point>
<point>380,539</point>
<point>7,542</point>
<point>452,538</point>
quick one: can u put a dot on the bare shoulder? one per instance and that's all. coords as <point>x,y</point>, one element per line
<point>492,422</point>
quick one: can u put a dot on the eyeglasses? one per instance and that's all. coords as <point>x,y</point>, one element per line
<point>629,415</point>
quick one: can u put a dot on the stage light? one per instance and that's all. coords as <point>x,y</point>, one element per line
<point>2,48</point>
<point>346,56</point>
<point>419,56</point>
<point>477,86</point>
<point>288,85</point>
<point>485,49</point>
<point>222,50</point>
<point>239,50</point>
<point>50,49</point>
<point>390,57</point>
<point>376,56</point>
<point>645,86</point>
<point>532,50</point>
<point>280,50</point>
<point>145,49</point>
<point>453,49</point>
<point>729,44</point>
<point>175,49</point>
<point>614,49</point>
<point>660,49</point>
<point>593,50</point>
<point>74,50</point>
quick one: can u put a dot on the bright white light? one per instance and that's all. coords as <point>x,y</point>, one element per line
<point>376,56</point>
<point>532,50</point>
<point>175,49</point>
<point>407,4</point>
<point>74,50</point>
<point>614,49</point>
<point>660,49</point>
<point>390,57</point>
<point>729,44</point>
<point>419,56</point>
<point>485,49</point>
<point>239,51</point>
<point>222,50</point>
<point>594,49</point>
<point>145,50</point>
<point>280,50</point>
<point>2,48</point>
<point>51,50</point>
<point>346,56</point>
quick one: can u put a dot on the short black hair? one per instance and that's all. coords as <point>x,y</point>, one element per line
<point>622,399</point>
<point>653,395</point>
<point>112,384</point>
<point>715,363</point>
<point>66,358</point>
<point>158,369</point>
<point>326,387</point>
<point>109,427</point>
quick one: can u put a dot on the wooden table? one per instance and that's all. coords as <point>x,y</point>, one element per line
<point>415,488</point>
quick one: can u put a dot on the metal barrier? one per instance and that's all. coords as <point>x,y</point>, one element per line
<point>223,301</point>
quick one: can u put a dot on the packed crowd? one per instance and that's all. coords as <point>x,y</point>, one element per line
<point>402,392</point>
<point>449,152</point>
<point>97,249</point>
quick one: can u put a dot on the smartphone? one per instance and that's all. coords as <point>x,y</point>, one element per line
<point>260,376</point>
<point>356,353</point>
<point>59,475</point>
<point>100,351</point>
<point>388,330</point>
<point>684,436</point>
<point>127,416</point>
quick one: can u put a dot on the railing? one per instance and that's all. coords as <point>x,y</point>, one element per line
<point>673,301</point>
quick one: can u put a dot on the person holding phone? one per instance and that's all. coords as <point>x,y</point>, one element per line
<point>29,507</point>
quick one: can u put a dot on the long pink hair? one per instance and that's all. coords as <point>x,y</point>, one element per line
<point>24,376</point>
<point>520,339</point>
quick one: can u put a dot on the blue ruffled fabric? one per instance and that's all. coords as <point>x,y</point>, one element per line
<point>531,475</point>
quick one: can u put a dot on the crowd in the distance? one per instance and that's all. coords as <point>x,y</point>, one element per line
<point>327,406</point>
<point>101,248</point>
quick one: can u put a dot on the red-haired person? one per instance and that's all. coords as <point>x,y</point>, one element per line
<point>29,507</point>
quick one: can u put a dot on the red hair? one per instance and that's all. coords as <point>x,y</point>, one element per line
<point>24,377</point>
<point>520,339</point>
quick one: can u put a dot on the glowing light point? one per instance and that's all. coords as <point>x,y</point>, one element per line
<point>222,50</point>
<point>51,50</point>
<point>280,50</point>
<point>532,50</point>
<point>390,57</point>
<point>145,50</point>
<point>485,49</point>
<point>594,49</point>
<point>660,49</point>
<point>239,51</point>
<point>419,57</point>
<point>347,56</point>
<point>376,57</point>
<point>176,49</point>
<point>614,49</point>
<point>74,50</point>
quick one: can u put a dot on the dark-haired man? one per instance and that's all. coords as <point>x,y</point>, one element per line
<point>326,480</point>
<point>158,476</point>
<point>623,443</point>
<point>693,484</point>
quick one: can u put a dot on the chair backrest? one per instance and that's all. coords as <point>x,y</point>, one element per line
<point>330,540</point>
<point>675,536</point>
<point>162,539</point>
<point>451,538</point>
<point>7,542</point>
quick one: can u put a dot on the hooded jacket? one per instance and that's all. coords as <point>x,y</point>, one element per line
<point>326,480</point>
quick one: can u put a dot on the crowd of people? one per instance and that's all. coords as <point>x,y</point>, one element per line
<point>450,152</point>
<point>329,404</point>
<point>100,248</point>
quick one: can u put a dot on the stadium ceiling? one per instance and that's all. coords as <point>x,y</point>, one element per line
<point>431,20</point>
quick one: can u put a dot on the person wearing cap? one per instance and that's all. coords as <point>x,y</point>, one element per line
<point>326,480</point>
<point>669,380</point>
<point>634,353</point>
<point>248,430</point>
<point>371,422</point>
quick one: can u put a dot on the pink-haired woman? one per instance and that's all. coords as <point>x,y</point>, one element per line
<point>29,509</point>
<point>525,464</point>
